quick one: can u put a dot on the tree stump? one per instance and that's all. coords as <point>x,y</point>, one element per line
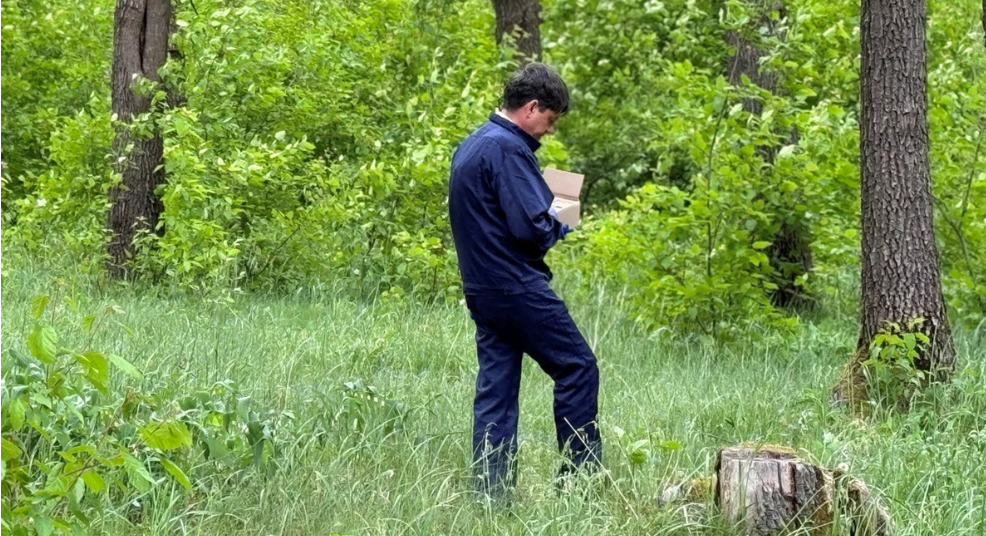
<point>770,490</point>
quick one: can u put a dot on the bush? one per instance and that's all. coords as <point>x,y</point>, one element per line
<point>76,439</point>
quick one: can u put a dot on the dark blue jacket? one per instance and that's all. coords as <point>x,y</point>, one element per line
<point>498,207</point>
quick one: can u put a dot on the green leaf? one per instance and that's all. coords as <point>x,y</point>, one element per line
<point>166,435</point>
<point>44,525</point>
<point>177,473</point>
<point>87,322</point>
<point>670,444</point>
<point>43,344</point>
<point>125,366</point>
<point>38,305</point>
<point>139,476</point>
<point>8,450</point>
<point>17,410</point>
<point>97,369</point>
<point>94,481</point>
<point>763,244</point>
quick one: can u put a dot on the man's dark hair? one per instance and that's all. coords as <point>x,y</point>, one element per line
<point>536,81</point>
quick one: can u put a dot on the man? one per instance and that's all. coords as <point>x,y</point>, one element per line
<point>502,224</point>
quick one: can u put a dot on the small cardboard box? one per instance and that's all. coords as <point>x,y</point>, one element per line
<point>566,186</point>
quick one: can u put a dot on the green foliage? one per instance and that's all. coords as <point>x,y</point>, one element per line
<point>615,57</point>
<point>366,410</point>
<point>892,373</point>
<point>54,63</point>
<point>695,253</point>
<point>76,439</point>
<point>678,169</point>
<point>312,143</point>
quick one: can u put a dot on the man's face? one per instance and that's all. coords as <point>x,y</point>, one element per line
<point>535,122</point>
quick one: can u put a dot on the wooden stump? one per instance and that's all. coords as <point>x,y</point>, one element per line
<point>770,490</point>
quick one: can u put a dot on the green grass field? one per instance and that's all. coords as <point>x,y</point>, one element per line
<point>287,352</point>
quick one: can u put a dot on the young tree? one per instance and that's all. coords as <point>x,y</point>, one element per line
<point>520,19</point>
<point>140,48</point>
<point>900,271</point>
<point>790,250</point>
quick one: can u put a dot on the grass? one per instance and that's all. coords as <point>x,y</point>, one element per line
<point>287,352</point>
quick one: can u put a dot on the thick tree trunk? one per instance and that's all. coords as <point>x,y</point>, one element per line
<point>140,48</point>
<point>790,250</point>
<point>520,19</point>
<point>900,270</point>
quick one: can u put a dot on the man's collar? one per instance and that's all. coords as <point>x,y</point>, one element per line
<point>506,123</point>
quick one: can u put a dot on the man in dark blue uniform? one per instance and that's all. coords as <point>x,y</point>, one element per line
<point>503,224</point>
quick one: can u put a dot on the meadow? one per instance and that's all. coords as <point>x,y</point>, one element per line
<point>399,464</point>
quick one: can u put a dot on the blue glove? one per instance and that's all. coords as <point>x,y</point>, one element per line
<point>565,229</point>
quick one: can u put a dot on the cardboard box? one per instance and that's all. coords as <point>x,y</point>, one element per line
<point>567,187</point>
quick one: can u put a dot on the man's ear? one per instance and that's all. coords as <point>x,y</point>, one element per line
<point>531,106</point>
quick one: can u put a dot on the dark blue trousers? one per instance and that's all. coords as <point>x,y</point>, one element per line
<point>536,323</point>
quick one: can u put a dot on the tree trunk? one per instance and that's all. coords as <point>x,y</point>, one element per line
<point>520,19</point>
<point>790,250</point>
<point>140,48</point>
<point>900,270</point>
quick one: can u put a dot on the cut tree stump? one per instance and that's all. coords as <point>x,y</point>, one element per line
<point>769,490</point>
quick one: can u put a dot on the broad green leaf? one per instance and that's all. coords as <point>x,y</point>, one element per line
<point>125,366</point>
<point>763,244</point>
<point>177,473</point>
<point>43,344</point>
<point>94,481</point>
<point>38,305</point>
<point>166,435</point>
<point>139,476</point>
<point>97,369</point>
<point>17,411</point>
<point>9,450</point>
<point>44,525</point>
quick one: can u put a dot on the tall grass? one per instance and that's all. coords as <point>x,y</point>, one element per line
<point>287,352</point>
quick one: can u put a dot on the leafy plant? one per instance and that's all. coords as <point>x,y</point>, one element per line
<point>75,439</point>
<point>891,373</point>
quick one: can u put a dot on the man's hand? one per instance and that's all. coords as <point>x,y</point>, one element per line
<point>565,229</point>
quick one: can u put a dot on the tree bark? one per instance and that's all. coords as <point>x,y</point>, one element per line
<point>140,48</point>
<point>900,277</point>
<point>768,490</point>
<point>790,249</point>
<point>521,20</point>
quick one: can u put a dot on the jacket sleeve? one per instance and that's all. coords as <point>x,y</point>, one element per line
<point>520,189</point>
